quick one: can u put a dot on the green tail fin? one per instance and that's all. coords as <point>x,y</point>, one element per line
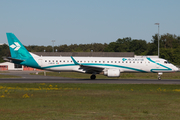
<point>18,51</point>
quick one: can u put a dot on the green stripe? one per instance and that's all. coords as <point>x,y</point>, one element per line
<point>91,64</point>
<point>62,65</point>
<point>153,70</point>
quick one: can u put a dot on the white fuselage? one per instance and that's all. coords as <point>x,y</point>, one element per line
<point>123,64</point>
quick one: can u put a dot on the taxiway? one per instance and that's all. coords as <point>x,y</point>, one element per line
<point>26,78</point>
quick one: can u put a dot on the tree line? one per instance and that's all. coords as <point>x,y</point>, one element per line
<point>169,47</point>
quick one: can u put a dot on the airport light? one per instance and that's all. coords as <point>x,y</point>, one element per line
<point>158,38</point>
<point>53,44</point>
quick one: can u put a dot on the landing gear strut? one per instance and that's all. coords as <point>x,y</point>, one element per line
<point>93,77</point>
<point>159,76</point>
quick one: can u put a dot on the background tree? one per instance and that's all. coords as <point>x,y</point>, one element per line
<point>4,52</point>
<point>139,47</point>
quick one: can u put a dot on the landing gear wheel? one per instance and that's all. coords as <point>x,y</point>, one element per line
<point>93,77</point>
<point>159,76</point>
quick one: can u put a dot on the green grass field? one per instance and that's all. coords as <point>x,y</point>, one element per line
<point>8,76</point>
<point>175,75</point>
<point>40,101</point>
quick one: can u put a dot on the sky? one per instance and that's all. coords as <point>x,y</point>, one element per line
<point>38,22</point>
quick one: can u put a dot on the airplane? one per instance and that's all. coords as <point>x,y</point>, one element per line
<point>108,66</point>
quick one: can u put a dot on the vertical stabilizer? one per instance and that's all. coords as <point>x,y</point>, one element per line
<point>19,53</point>
<point>17,49</point>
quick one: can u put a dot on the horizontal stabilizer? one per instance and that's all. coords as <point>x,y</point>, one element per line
<point>13,59</point>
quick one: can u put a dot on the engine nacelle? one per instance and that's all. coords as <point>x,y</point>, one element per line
<point>112,72</point>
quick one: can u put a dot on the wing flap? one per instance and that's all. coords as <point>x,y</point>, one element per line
<point>91,69</point>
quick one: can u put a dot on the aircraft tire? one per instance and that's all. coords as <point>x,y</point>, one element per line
<point>93,77</point>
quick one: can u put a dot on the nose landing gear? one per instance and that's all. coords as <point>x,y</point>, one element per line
<point>159,76</point>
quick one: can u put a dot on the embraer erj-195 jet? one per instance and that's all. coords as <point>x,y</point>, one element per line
<point>109,66</point>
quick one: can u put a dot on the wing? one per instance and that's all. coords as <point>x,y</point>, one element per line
<point>88,68</point>
<point>91,69</point>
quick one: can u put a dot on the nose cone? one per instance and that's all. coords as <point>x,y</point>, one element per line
<point>176,68</point>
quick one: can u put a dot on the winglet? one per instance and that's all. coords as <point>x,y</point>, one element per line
<point>76,63</point>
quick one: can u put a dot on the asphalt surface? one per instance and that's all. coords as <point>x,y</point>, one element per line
<point>26,78</point>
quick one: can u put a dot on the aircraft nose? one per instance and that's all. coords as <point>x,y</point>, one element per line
<point>176,69</point>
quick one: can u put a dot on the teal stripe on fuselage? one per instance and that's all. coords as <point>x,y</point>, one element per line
<point>62,65</point>
<point>118,66</point>
<point>153,70</point>
<point>93,64</point>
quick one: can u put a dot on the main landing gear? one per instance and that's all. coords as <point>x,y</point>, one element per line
<point>93,77</point>
<point>159,76</point>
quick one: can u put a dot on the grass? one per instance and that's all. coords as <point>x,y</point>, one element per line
<point>4,71</point>
<point>8,76</point>
<point>40,101</point>
<point>175,75</point>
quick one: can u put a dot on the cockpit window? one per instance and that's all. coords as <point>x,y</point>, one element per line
<point>166,62</point>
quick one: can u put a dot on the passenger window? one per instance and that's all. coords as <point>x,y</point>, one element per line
<point>111,61</point>
<point>60,61</point>
<point>107,61</point>
<point>49,60</point>
<point>45,60</point>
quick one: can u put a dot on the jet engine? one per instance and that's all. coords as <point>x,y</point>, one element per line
<point>112,72</point>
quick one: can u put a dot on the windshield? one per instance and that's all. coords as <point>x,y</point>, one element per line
<point>167,62</point>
